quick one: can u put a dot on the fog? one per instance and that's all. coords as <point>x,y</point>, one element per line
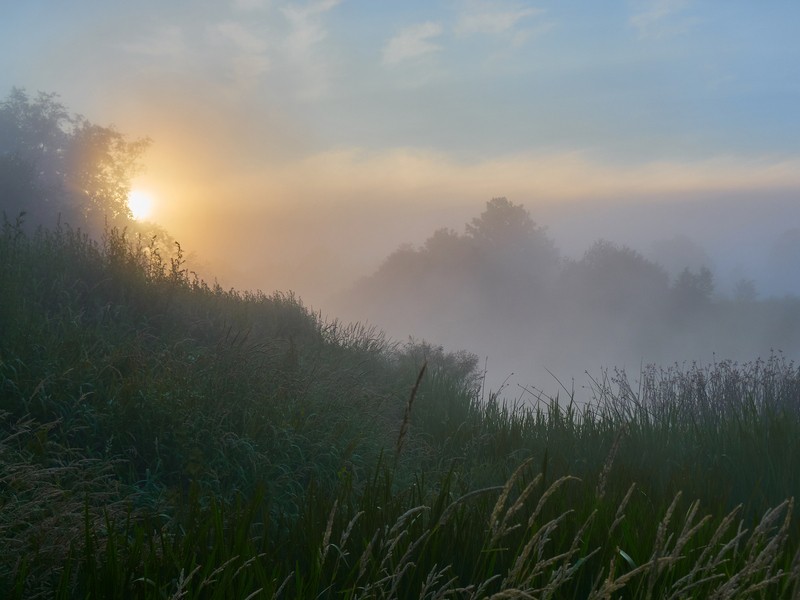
<point>297,145</point>
<point>323,225</point>
<point>316,225</point>
<point>541,326</point>
<point>321,239</point>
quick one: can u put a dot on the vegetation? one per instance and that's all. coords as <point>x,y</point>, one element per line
<point>612,306</point>
<point>60,167</point>
<point>165,438</point>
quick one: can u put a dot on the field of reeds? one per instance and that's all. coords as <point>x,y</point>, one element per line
<point>165,438</point>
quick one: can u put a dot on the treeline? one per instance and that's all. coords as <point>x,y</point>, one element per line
<point>504,278</point>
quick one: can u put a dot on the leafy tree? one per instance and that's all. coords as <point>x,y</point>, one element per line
<point>101,164</point>
<point>499,269</point>
<point>500,221</point>
<point>55,164</point>
<point>745,291</point>
<point>403,263</point>
<point>19,188</point>
<point>449,255</point>
<point>616,279</point>
<point>693,289</point>
<point>516,257</point>
<point>509,226</point>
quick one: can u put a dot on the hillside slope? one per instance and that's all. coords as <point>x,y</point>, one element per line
<point>161,437</point>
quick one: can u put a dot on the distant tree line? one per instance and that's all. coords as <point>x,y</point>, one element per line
<point>504,277</point>
<point>504,256</point>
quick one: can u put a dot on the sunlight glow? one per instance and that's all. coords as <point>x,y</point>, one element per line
<point>140,202</point>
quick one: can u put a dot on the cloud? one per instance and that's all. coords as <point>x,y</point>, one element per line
<point>243,39</point>
<point>357,206</point>
<point>661,18</point>
<point>412,42</point>
<point>250,4</point>
<point>229,48</point>
<point>167,43</point>
<point>561,176</point>
<point>307,30</point>
<point>312,68</point>
<point>493,19</point>
<point>249,60</point>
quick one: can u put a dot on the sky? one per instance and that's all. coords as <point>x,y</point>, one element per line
<point>295,144</point>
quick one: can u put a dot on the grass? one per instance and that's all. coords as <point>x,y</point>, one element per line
<point>164,438</point>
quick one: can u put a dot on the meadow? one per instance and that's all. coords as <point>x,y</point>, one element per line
<point>162,437</point>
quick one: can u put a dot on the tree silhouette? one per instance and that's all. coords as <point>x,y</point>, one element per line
<point>509,227</point>
<point>692,290</point>
<point>53,163</point>
<point>100,166</point>
<point>516,258</point>
<point>745,291</point>
<point>19,188</point>
<point>678,253</point>
<point>616,280</point>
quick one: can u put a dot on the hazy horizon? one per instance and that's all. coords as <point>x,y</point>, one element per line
<point>297,144</point>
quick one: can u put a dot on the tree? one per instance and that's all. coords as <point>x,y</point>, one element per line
<point>504,224</point>
<point>616,279</point>
<point>55,164</point>
<point>745,291</point>
<point>19,189</point>
<point>693,290</point>
<point>679,253</point>
<point>100,166</point>
<point>448,254</point>
<point>509,241</point>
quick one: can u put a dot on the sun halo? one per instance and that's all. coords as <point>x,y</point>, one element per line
<point>140,203</point>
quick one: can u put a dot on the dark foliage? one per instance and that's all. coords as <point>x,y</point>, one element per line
<point>59,166</point>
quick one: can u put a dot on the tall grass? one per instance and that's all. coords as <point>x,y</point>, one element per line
<point>163,438</point>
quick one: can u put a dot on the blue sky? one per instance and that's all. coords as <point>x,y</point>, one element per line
<point>630,81</point>
<point>267,110</point>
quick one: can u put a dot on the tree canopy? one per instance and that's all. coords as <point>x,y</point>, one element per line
<point>508,226</point>
<point>56,165</point>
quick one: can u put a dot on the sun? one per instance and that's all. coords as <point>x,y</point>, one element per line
<point>140,202</point>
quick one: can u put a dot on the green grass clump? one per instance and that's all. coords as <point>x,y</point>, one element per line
<point>163,438</point>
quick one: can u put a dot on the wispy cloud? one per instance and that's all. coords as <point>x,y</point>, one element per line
<point>244,39</point>
<point>250,4</point>
<point>307,33</point>
<point>167,43</point>
<point>249,51</point>
<point>661,18</point>
<point>569,175</point>
<point>412,42</point>
<point>493,18</point>
<point>307,29</point>
<point>511,22</point>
